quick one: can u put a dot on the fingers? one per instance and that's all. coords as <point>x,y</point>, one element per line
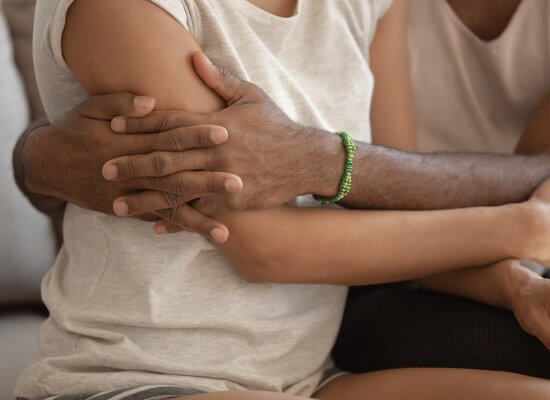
<point>148,200</point>
<point>156,122</point>
<point>157,164</point>
<point>187,217</point>
<point>176,191</point>
<point>106,107</point>
<point>173,191</point>
<point>193,137</point>
<point>175,140</point>
<point>193,185</point>
<point>219,79</point>
<point>166,153</point>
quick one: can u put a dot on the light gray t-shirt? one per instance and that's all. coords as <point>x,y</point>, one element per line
<point>129,308</point>
<point>473,95</point>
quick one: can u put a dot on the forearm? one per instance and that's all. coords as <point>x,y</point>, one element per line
<point>485,284</point>
<point>494,285</point>
<point>445,180</point>
<point>384,178</point>
<point>49,205</point>
<point>360,247</point>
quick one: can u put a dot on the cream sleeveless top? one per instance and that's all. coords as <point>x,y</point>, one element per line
<point>129,308</point>
<point>472,95</point>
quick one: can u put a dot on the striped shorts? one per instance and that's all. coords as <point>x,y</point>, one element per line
<point>153,392</point>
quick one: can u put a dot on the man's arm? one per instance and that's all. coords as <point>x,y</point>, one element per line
<point>419,181</point>
<point>493,285</point>
<point>50,206</point>
<point>293,245</point>
<point>60,163</point>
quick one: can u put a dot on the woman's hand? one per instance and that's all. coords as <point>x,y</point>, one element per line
<point>537,219</point>
<point>531,302</point>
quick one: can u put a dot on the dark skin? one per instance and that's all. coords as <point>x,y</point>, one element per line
<point>259,129</point>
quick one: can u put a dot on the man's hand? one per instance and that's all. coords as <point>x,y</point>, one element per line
<point>276,158</point>
<point>66,160</point>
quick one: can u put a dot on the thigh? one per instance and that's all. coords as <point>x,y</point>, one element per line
<point>397,326</point>
<point>436,384</point>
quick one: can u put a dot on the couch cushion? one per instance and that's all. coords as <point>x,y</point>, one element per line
<point>26,244</point>
<point>18,346</point>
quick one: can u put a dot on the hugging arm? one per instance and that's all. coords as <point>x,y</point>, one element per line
<point>280,244</point>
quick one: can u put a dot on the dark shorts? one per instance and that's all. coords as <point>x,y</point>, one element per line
<point>156,392</point>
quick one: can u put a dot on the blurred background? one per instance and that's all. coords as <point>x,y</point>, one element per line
<point>26,240</point>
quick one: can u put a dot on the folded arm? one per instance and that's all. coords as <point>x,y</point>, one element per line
<point>281,244</point>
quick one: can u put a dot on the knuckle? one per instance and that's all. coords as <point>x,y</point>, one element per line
<point>211,183</point>
<point>176,141</point>
<point>200,137</point>
<point>174,216</point>
<point>216,157</point>
<point>183,187</point>
<point>160,163</point>
<point>162,123</point>
<point>130,168</point>
<point>168,201</point>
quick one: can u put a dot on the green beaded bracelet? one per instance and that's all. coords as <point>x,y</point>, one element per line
<point>345,183</point>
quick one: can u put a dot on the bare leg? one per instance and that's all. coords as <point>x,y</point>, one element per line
<point>436,384</point>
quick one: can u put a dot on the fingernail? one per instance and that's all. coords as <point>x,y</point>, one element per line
<point>161,229</point>
<point>219,235</point>
<point>143,102</point>
<point>121,208</point>
<point>233,185</point>
<point>110,172</point>
<point>219,135</point>
<point>118,124</point>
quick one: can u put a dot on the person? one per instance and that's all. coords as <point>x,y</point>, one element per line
<point>98,342</point>
<point>477,88</point>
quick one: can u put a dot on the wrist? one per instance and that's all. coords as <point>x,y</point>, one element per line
<point>532,231</point>
<point>32,149</point>
<point>519,279</point>
<point>326,161</point>
<point>511,278</point>
<point>520,225</point>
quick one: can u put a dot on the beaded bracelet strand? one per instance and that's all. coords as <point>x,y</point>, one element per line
<point>345,183</point>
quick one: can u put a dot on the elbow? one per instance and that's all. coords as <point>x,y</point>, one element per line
<point>256,265</point>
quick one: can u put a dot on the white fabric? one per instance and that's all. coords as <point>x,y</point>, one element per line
<point>26,245</point>
<point>471,95</point>
<point>129,308</point>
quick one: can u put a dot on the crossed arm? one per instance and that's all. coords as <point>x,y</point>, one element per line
<point>282,244</point>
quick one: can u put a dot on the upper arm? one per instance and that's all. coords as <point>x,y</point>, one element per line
<point>134,46</point>
<point>393,122</point>
<point>535,138</point>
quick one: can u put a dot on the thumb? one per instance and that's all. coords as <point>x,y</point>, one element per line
<point>219,79</point>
